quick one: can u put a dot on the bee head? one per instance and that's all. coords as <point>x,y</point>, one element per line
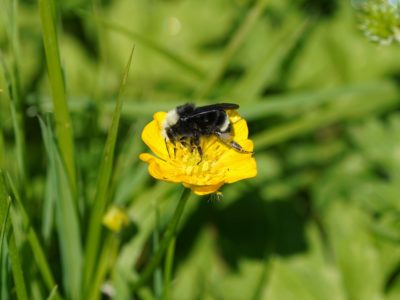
<point>185,110</point>
<point>172,118</point>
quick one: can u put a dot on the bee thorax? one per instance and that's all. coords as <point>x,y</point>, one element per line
<point>171,119</point>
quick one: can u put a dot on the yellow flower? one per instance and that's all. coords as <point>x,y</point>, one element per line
<point>220,164</point>
<point>115,219</point>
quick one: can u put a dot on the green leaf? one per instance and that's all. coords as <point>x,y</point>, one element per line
<point>16,117</point>
<point>169,235</point>
<point>61,113</point>
<point>53,293</point>
<point>18,274</point>
<point>355,252</point>
<point>36,247</point>
<point>102,190</point>
<point>67,218</point>
<point>3,233</point>
<point>2,150</point>
<point>16,266</point>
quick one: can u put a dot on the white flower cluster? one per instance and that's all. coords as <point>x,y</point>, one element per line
<point>379,20</point>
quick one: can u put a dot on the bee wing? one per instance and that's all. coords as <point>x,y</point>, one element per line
<point>215,107</point>
<point>206,119</point>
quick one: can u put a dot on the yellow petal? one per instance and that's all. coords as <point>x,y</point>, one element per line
<point>152,137</point>
<point>241,169</point>
<point>203,189</point>
<point>234,116</point>
<point>240,130</point>
<point>232,155</point>
<point>160,117</point>
<point>159,169</point>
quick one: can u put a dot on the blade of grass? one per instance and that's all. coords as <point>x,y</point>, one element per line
<point>2,150</point>
<point>179,61</point>
<point>103,185</point>
<point>19,141</point>
<point>13,253</point>
<point>324,117</point>
<point>165,194</point>
<point>258,292</point>
<point>66,218</point>
<point>17,120</point>
<point>107,257</point>
<point>129,155</point>
<point>157,277</point>
<point>18,275</point>
<point>4,214</point>
<point>168,236</point>
<point>143,209</point>
<point>4,288</point>
<point>13,79</point>
<point>4,202</point>
<point>64,130</point>
<point>36,247</point>
<point>53,294</point>
<point>234,44</point>
<point>48,206</point>
<point>300,102</point>
<point>120,284</point>
<point>3,229</point>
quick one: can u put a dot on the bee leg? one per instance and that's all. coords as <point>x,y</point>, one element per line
<point>239,148</point>
<point>227,139</point>
<point>173,142</point>
<point>193,145</point>
<point>166,146</point>
<point>196,141</point>
<point>183,142</point>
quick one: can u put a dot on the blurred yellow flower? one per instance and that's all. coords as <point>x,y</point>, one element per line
<point>115,219</point>
<point>220,164</point>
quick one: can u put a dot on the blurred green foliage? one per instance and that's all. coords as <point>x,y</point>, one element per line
<point>321,219</point>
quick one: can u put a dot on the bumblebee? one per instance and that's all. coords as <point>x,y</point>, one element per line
<point>188,123</point>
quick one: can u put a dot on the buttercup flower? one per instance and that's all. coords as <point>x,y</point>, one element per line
<point>219,164</point>
<point>115,219</point>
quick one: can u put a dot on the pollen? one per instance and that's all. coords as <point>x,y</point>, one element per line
<point>182,163</point>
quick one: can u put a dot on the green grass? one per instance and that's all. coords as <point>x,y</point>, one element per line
<point>61,113</point>
<point>7,234</point>
<point>103,183</point>
<point>66,215</point>
<point>320,221</point>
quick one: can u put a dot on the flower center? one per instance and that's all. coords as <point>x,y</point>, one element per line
<point>188,161</point>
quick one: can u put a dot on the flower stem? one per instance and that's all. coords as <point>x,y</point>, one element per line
<point>168,236</point>
<point>169,261</point>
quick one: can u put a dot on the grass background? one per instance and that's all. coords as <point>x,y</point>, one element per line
<point>321,219</point>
